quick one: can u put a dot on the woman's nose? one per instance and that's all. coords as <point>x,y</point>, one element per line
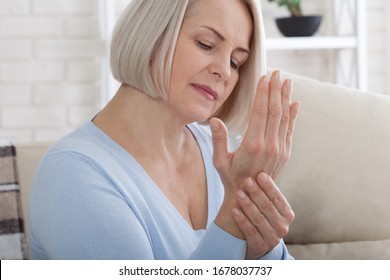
<point>221,68</point>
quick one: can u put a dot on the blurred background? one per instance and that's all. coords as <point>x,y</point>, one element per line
<point>54,74</point>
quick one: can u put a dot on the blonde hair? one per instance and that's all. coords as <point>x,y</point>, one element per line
<point>143,44</point>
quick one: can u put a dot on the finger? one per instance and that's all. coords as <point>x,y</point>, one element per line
<point>220,143</point>
<point>294,111</point>
<point>267,208</point>
<point>246,225</point>
<point>284,152</point>
<point>287,148</point>
<point>258,219</point>
<point>255,242</point>
<point>286,103</point>
<point>275,196</point>
<point>258,118</point>
<point>274,108</point>
<point>261,200</point>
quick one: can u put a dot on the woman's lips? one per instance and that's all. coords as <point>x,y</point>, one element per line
<point>207,91</point>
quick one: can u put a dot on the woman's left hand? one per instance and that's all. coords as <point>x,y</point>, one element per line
<point>263,216</point>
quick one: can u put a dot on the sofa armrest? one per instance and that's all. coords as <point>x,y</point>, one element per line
<point>28,156</point>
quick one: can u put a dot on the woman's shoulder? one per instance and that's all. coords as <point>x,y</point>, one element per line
<point>85,139</point>
<point>86,142</point>
<point>86,150</point>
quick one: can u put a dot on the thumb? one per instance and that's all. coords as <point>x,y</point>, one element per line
<point>220,142</point>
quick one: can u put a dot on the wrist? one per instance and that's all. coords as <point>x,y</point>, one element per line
<point>224,218</point>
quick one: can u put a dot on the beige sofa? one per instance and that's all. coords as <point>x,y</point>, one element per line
<point>338,178</point>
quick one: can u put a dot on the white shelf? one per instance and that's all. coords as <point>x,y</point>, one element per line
<point>300,43</point>
<point>347,72</point>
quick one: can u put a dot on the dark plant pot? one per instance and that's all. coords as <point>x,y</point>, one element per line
<point>298,26</point>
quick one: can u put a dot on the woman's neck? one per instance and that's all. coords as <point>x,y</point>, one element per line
<point>145,123</point>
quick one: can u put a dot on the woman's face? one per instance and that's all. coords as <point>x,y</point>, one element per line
<point>212,45</point>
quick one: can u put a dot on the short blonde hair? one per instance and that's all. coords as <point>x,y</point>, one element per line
<point>143,44</point>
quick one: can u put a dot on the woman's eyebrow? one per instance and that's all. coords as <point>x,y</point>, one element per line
<point>219,35</point>
<point>222,38</point>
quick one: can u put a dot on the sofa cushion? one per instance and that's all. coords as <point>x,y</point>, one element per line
<point>338,178</point>
<point>357,250</point>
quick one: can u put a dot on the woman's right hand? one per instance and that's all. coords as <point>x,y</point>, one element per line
<point>266,145</point>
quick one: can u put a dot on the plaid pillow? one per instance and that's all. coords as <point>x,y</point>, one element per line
<point>12,237</point>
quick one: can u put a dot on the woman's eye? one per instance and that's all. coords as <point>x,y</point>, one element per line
<point>234,65</point>
<point>204,46</point>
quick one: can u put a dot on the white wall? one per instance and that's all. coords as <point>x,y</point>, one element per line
<point>378,13</point>
<point>49,67</point>
<point>50,57</point>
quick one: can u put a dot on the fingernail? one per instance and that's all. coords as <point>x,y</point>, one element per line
<point>264,80</point>
<point>249,183</point>
<point>276,75</point>
<point>298,107</point>
<point>241,194</point>
<point>236,211</point>
<point>263,177</point>
<point>289,84</point>
<point>295,109</point>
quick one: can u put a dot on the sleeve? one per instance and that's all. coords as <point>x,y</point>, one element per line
<point>77,213</point>
<point>213,246</point>
<point>280,252</point>
<point>217,244</point>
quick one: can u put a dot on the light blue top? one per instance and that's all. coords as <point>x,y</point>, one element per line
<point>90,199</point>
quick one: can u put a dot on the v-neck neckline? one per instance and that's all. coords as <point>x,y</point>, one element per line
<point>144,176</point>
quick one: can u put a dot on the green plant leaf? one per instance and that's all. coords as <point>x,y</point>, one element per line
<point>293,6</point>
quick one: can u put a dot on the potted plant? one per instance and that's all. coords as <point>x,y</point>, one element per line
<point>296,24</point>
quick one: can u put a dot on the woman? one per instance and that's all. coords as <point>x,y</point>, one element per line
<point>138,181</point>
